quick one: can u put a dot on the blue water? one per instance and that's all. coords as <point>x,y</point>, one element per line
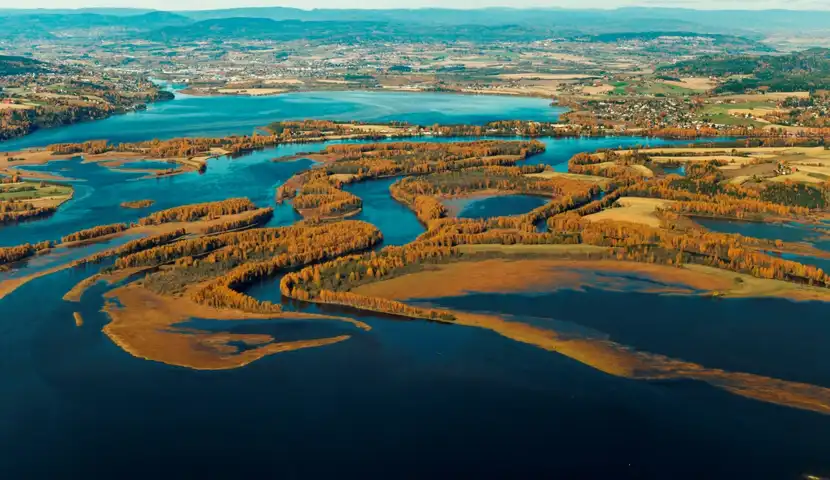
<point>98,197</point>
<point>410,392</point>
<point>100,191</point>
<point>398,223</point>
<point>560,150</point>
<point>822,263</point>
<point>218,116</point>
<point>681,170</point>
<point>415,398</point>
<point>62,255</point>
<point>148,165</point>
<point>770,337</point>
<point>495,206</point>
<point>788,232</point>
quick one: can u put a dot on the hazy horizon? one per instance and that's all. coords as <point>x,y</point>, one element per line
<point>181,5</point>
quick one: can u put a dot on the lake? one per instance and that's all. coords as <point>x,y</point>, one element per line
<point>196,116</point>
<point>494,206</point>
<point>414,398</point>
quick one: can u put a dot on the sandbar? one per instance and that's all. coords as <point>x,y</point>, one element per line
<point>607,356</point>
<point>143,325</point>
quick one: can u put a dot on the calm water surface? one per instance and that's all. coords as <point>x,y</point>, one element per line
<point>408,398</point>
<point>495,206</point>
<point>788,232</point>
<point>192,116</point>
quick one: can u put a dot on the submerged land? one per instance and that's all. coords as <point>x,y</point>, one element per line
<point>311,220</point>
<point>617,214</point>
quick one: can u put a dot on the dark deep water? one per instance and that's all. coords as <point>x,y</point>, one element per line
<point>428,398</point>
<point>406,399</point>
<point>771,337</point>
<point>814,235</point>
<point>788,232</point>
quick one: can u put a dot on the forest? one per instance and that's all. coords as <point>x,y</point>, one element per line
<point>82,100</point>
<point>321,197</point>
<point>14,211</point>
<point>174,148</point>
<point>248,219</point>
<point>702,192</point>
<point>199,211</point>
<point>324,257</point>
<point>136,204</point>
<point>213,270</point>
<point>9,255</point>
<point>807,70</point>
<point>465,166</point>
<point>94,232</point>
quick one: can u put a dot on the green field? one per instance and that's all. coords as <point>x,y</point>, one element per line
<point>32,190</point>
<point>720,113</point>
<point>660,88</point>
<point>619,88</point>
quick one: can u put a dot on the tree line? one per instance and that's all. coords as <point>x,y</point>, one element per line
<point>256,217</point>
<point>199,211</point>
<point>94,232</point>
<point>15,254</point>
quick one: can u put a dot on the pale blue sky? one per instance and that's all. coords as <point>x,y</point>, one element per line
<point>309,4</point>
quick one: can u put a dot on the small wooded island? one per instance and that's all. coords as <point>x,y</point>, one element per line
<point>136,204</point>
<point>633,211</point>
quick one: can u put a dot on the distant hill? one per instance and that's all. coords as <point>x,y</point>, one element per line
<point>260,29</point>
<point>618,20</point>
<point>734,41</point>
<point>749,20</point>
<point>427,23</point>
<point>708,20</point>
<point>800,71</point>
<point>11,65</point>
<point>154,20</point>
<point>388,30</point>
<point>355,31</point>
<point>48,25</point>
<point>9,12</point>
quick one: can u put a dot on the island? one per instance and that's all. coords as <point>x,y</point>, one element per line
<point>239,234</point>
<point>638,212</point>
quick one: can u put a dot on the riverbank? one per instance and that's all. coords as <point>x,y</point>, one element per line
<point>267,92</point>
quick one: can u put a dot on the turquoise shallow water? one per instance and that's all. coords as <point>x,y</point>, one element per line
<point>218,116</point>
<point>410,398</point>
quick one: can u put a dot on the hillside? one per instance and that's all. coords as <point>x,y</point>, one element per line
<point>802,71</point>
<point>11,65</point>
<point>504,23</point>
<point>353,31</point>
<point>731,41</point>
<point>590,21</point>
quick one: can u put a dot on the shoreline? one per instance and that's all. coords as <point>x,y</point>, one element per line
<point>565,269</point>
<point>191,93</point>
<point>143,324</point>
<point>608,356</point>
<point>9,285</point>
<point>140,107</point>
<point>631,132</point>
